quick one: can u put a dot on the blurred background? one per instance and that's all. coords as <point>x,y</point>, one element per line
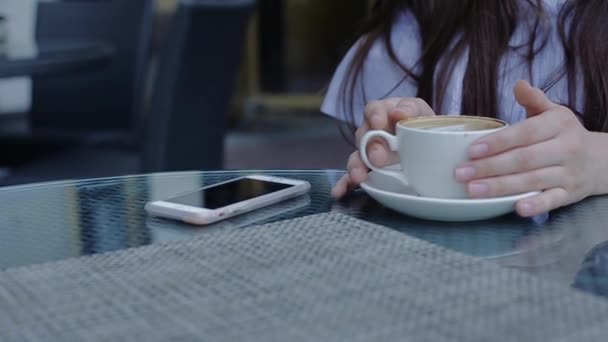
<point>97,88</point>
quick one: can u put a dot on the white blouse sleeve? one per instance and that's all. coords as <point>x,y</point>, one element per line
<point>380,78</point>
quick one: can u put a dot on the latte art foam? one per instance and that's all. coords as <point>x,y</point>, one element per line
<point>453,124</point>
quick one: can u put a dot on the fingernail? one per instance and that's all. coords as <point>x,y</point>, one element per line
<point>464,174</point>
<point>400,111</point>
<point>478,150</point>
<point>526,208</point>
<point>478,189</point>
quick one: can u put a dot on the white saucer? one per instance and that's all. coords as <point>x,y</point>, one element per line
<point>394,195</point>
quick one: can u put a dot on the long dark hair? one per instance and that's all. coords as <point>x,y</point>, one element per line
<point>485,27</point>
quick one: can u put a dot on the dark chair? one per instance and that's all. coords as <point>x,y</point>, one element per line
<point>185,124</point>
<point>106,100</point>
<point>195,86</point>
<point>89,105</point>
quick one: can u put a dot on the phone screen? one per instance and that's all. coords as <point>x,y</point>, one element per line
<point>229,193</point>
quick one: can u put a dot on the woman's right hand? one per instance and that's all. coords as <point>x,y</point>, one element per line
<point>379,115</point>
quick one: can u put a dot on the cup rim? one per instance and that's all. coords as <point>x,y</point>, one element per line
<point>401,125</point>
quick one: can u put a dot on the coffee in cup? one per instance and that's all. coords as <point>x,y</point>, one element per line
<point>452,123</point>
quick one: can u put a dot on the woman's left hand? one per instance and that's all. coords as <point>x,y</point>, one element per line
<point>548,152</point>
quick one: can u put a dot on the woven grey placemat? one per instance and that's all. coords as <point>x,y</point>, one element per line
<point>327,277</point>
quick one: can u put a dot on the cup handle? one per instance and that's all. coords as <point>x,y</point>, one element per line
<point>393,145</point>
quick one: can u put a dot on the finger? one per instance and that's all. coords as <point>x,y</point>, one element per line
<point>374,144</point>
<point>537,180</point>
<point>386,113</point>
<point>380,155</point>
<point>342,187</point>
<point>543,202</point>
<point>537,156</point>
<point>410,108</point>
<point>376,114</point>
<point>529,132</point>
<point>356,168</point>
<point>532,99</point>
<point>361,132</point>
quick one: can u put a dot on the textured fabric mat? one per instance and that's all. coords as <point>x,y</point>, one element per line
<point>327,277</point>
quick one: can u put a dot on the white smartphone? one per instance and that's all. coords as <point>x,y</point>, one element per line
<point>227,199</point>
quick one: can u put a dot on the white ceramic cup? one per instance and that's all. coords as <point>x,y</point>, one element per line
<point>430,148</point>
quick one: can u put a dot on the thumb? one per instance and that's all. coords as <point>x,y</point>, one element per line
<point>533,99</point>
<point>408,108</point>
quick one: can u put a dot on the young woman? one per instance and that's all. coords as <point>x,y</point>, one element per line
<point>541,65</point>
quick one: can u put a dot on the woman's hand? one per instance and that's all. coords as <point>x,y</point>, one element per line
<point>379,115</point>
<point>551,152</point>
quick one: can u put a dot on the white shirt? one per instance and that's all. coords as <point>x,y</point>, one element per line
<point>381,78</point>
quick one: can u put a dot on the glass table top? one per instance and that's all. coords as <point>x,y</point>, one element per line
<point>54,221</point>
